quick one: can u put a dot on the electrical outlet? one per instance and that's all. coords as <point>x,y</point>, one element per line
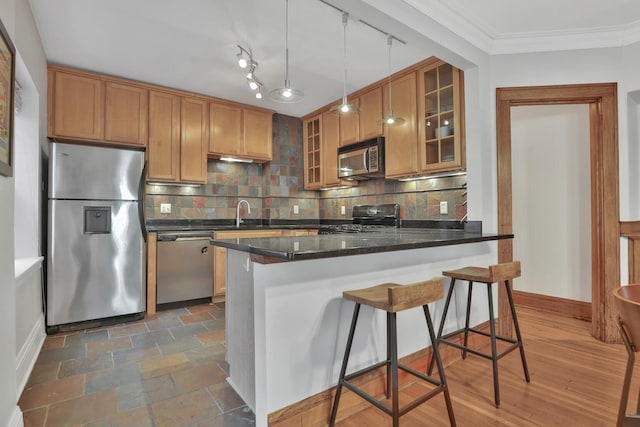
<point>343,210</point>
<point>165,207</point>
<point>296,210</point>
<point>296,246</point>
<point>444,208</point>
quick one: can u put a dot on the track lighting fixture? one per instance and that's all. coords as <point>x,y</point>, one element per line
<point>245,60</point>
<point>287,93</point>
<point>345,107</point>
<point>391,120</point>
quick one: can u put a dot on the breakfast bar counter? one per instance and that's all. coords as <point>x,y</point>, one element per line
<point>344,244</point>
<point>286,321</point>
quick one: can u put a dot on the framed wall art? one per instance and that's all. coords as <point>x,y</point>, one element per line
<point>7,81</point>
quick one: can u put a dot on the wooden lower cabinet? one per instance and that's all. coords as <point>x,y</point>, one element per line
<point>220,253</point>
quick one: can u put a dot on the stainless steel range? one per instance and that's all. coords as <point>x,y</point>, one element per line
<point>367,218</point>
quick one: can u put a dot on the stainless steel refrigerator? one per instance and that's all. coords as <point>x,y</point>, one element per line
<point>96,247</point>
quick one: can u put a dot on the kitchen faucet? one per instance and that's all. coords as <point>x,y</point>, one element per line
<point>238,220</point>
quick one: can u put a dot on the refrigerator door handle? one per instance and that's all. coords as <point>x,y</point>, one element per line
<point>141,206</point>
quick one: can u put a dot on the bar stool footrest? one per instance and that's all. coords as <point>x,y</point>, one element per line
<point>513,346</point>
<point>377,403</point>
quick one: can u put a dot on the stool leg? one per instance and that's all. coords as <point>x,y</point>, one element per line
<point>466,321</point>
<point>343,370</point>
<point>494,351</point>
<point>517,328</point>
<point>395,401</point>
<point>389,338</point>
<point>438,359</point>
<point>442,321</point>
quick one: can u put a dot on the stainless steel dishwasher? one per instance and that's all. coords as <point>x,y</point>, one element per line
<point>184,267</point>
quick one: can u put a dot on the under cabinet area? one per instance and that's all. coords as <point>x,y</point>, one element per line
<point>220,253</point>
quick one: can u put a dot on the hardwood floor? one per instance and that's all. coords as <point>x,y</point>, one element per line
<point>575,381</point>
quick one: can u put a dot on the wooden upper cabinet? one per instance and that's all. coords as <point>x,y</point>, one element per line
<point>441,118</point>
<point>311,131</point>
<point>126,113</point>
<point>350,126</point>
<point>401,141</point>
<point>194,140</point>
<point>241,132</point>
<point>163,151</point>
<point>78,106</point>
<point>225,129</point>
<point>371,114</point>
<point>330,142</point>
<point>258,134</point>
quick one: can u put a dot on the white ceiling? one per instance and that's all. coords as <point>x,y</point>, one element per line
<point>191,44</point>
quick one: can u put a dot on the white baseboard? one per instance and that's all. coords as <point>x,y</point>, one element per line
<point>16,418</point>
<point>28,354</point>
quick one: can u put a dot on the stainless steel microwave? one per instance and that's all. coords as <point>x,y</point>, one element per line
<point>362,160</point>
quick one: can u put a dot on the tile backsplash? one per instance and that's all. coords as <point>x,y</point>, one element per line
<point>273,189</point>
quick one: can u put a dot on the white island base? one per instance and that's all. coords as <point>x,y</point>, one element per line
<point>287,324</point>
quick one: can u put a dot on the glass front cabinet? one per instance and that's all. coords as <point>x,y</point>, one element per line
<point>441,118</point>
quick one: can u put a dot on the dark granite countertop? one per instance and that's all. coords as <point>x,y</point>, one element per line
<point>194,225</point>
<point>337,245</point>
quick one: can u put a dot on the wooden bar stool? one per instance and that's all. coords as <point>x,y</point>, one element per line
<point>628,302</point>
<point>501,274</point>
<point>392,298</point>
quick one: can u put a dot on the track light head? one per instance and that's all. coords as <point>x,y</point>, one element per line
<point>245,59</point>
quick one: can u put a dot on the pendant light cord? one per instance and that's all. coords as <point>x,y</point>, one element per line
<point>345,17</point>
<point>389,42</point>
<point>286,43</point>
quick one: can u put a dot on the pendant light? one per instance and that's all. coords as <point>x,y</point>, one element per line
<point>287,93</point>
<point>345,107</point>
<point>391,120</point>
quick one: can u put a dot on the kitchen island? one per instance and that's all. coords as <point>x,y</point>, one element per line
<point>287,323</point>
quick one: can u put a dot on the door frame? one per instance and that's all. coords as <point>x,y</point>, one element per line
<point>605,205</point>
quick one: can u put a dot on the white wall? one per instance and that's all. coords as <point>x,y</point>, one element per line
<point>17,19</point>
<point>552,199</point>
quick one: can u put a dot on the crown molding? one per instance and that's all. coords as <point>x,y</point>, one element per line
<point>454,22</point>
<point>489,40</point>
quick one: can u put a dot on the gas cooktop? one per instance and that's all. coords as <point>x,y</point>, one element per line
<point>367,218</point>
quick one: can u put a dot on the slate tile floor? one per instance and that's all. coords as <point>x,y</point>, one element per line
<point>167,370</point>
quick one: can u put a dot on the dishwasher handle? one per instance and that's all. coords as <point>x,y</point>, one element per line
<point>192,238</point>
<point>179,238</point>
